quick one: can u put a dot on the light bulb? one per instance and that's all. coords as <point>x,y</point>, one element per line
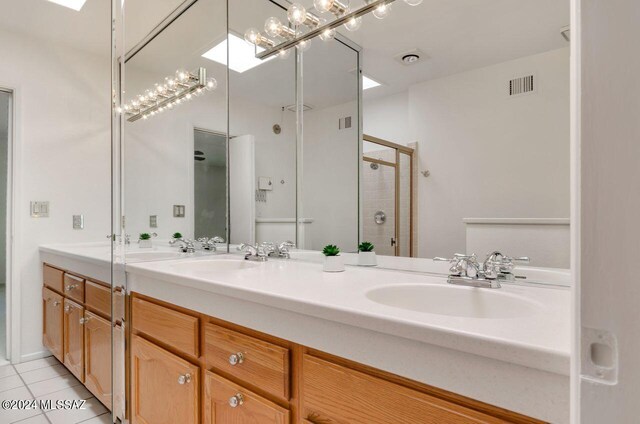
<point>304,45</point>
<point>252,35</point>
<point>150,95</point>
<point>135,103</point>
<point>182,75</point>
<point>297,14</point>
<point>118,109</point>
<point>127,107</point>
<point>145,117</point>
<point>161,89</point>
<point>353,24</point>
<point>283,54</point>
<point>413,2</point>
<point>188,96</point>
<point>322,5</point>
<point>211,84</point>
<point>178,101</point>
<point>170,82</point>
<point>170,106</point>
<point>199,91</point>
<point>382,11</point>
<point>272,26</point>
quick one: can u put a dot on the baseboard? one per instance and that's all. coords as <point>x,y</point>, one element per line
<point>33,356</point>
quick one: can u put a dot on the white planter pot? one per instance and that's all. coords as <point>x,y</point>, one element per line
<point>367,259</point>
<point>333,264</point>
<point>144,244</point>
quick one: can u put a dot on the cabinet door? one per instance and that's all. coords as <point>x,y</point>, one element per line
<point>97,357</point>
<point>226,402</point>
<point>52,322</point>
<point>73,347</point>
<point>164,387</point>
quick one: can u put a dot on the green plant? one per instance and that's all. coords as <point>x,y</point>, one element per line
<point>177,235</point>
<point>331,250</point>
<point>365,246</point>
<point>145,236</point>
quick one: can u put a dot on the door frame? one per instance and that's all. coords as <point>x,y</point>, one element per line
<point>12,288</point>
<point>399,150</point>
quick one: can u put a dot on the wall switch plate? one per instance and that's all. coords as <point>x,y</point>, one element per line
<point>178,211</point>
<point>265,183</point>
<point>78,222</point>
<point>153,221</point>
<point>39,209</point>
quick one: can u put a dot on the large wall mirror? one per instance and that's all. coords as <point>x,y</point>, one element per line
<point>429,132</point>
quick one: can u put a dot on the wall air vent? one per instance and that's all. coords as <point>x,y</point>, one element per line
<point>522,85</point>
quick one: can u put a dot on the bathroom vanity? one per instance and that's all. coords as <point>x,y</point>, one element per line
<point>217,339</point>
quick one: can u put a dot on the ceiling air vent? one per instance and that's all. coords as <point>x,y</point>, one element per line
<point>522,85</point>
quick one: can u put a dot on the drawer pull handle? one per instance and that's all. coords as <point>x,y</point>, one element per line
<point>72,287</point>
<point>237,400</point>
<point>184,379</point>
<point>84,320</point>
<point>236,358</point>
<point>56,303</point>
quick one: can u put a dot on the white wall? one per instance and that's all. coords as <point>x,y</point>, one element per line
<point>489,155</point>
<point>63,140</point>
<point>330,178</point>
<point>609,286</point>
<point>5,101</point>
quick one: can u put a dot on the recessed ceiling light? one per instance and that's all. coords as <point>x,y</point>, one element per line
<point>368,83</point>
<point>71,4</point>
<point>242,55</point>
<point>411,57</point>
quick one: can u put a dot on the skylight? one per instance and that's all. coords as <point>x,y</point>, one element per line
<point>71,4</point>
<point>368,83</point>
<point>242,55</point>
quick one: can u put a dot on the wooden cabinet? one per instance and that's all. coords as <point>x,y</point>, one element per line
<point>226,402</point>
<point>74,338</point>
<point>74,287</point>
<point>337,394</point>
<point>164,387</point>
<point>97,298</point>
<point>52,323</point>
<point>252,360</point>
<point>167,326</point>
<point>97,356</point>
<point>52,277</point>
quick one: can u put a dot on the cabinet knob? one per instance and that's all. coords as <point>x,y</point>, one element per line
<point>237,400</point>
<point>184,379</point>
<point>83,320</point>
<point>67,308</point>
<point>236,358</point>
<point>56,303</point>
<point>72,287</point>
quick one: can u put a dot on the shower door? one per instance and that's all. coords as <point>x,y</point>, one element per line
<point>387,198</point>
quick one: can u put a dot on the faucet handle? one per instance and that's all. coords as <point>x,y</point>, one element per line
<point>217,239</point>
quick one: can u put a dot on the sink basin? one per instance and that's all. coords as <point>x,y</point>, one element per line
<point>454,301</point>
<point>214,265</point>
<point>151,256</point>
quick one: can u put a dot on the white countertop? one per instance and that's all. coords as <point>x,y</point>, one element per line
<point>518,363</point>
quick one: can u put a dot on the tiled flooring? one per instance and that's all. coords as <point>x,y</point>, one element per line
<point>47,379</point>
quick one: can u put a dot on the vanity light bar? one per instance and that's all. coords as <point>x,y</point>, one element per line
<point>318,30</point>
<point>184,86</point>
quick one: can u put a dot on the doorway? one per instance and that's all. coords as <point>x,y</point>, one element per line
<point>388,196</point>
<point>6,106</point>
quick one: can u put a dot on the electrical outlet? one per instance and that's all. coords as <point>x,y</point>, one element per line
<point>39,209</point>
<point>153,221</point>
<point>78,222</point>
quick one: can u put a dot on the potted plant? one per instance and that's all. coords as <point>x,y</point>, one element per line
<point>176,236</point>
<point>366,255</point>
<point>144,241</point>
<point>332,259</point>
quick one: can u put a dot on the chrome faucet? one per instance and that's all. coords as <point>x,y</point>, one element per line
<point>281,250</point>
<point>186,245</point>
<point>210,243</point>
<point>255,253</point>
<point>467,271</point>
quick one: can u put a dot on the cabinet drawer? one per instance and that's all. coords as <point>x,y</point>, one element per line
<point>226,402</point>
<point>52,278</point>
<point>74,287</point>
<point>254,361</point>
<point>174,328</point>
<point>336,394</point>
<point>97,298</point>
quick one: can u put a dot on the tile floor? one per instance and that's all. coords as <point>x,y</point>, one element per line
<point>47,379</point>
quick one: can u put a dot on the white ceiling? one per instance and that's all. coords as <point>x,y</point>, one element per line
<point>456,35</point>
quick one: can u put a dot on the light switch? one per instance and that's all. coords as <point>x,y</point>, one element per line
<point>153,221</point>
<point>265,183</point>
<point>78,222</point>
<point>39,209</point>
